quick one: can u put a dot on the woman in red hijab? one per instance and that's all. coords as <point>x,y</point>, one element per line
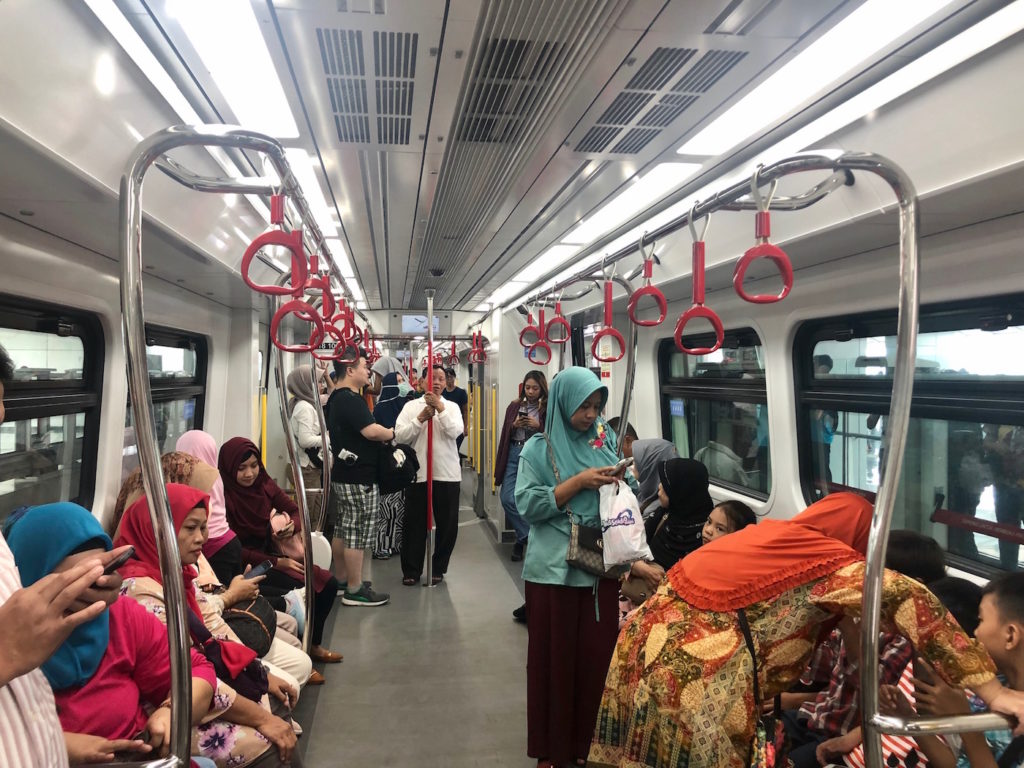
<point>250,496</point>
<point>243,730</point>
<point>679,690</point>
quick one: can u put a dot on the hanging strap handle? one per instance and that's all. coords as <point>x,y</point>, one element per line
<point>647,290</point>
<point>558,321</point>
<point>608,331</point>
<point>697,309</point>
<point>763,250</point>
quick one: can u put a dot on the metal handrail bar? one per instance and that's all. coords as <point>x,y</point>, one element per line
<point>735,198</point>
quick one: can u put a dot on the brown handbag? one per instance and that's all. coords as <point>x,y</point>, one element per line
<point>635,589</point>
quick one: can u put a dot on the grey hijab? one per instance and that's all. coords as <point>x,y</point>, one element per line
<point>300,386</point>
<point>647,455</point>
<point>386,365</point>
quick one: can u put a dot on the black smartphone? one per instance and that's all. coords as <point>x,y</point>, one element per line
<point>118,561</point>
<point>260,570</point>
<point>922,672</point>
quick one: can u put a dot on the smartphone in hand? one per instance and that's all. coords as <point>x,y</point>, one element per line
<point>118,561</point>
<point>621,465</point>
<point>260,570</point>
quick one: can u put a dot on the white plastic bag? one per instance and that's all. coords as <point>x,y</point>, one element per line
<point>622,526</point>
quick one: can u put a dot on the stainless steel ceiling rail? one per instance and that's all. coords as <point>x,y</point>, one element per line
<point>146,154</point>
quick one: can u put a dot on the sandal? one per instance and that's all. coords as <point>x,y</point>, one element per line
<point>409,581</point>
<point>435,580</point>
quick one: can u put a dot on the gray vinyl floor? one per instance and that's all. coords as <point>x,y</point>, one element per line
<point>435,678</point>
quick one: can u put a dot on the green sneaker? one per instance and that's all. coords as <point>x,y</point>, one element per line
<point>365,597</point>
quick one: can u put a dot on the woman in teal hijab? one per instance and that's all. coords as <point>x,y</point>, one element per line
<point>571,614</point>
<point>40,540</point>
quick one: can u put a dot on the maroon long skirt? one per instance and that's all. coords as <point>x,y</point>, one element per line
<point>568,658</point>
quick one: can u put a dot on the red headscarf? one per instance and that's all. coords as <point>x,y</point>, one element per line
<point>137,530</point>
<point>762,561</point>
<point>248,509</point>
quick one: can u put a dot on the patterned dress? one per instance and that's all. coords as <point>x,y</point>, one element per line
<point>679,693</point>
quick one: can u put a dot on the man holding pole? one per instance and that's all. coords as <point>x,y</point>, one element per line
<point>413,429</point>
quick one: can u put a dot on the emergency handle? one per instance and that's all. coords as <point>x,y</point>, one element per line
<point>300,269</point>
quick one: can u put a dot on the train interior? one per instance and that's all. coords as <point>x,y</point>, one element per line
<point>486,152</point>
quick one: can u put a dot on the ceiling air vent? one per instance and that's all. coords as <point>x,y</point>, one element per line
<point>619,119</point>
<point>709,69</point>
<point>394,65</point>
<point>648,105</point>
<point>341,52</point>
<point>508,78</point>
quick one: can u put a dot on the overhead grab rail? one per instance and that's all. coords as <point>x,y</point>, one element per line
<point>149,151</point>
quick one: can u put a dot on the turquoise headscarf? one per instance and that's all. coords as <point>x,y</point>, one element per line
<point>574,450</point>
<point>40,540</point>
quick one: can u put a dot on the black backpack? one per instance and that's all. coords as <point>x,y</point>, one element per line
<point>397,467</point>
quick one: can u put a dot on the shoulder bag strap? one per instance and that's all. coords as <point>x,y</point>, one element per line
<point>554,468</point>
<point>745,629</point>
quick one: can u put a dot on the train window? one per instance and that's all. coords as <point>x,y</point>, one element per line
<point>177,378</point>
<point>48,440</point>
<point>963,471</point>
<point>714,408</point>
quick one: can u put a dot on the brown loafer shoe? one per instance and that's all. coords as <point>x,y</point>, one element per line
<point>316,679</point>
<point>326,657</point>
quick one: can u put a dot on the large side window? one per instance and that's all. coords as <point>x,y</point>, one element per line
<point>714,408</point>
<point>963,468</point>
<point>49,437</point>
<point>177,376</point>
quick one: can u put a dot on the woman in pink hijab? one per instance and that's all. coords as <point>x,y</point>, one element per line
<point>223,550</point>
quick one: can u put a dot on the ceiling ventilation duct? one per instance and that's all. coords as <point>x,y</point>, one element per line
<point>527,56</point>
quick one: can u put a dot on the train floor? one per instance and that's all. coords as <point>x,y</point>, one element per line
<point>436,678</point>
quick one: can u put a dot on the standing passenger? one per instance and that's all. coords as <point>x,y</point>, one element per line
<point>524,417</point>
<point>460,397</point>
<point>571,614</point>
<point>391,512</point>
<point>355,443</point>
<point>447,476</point>
<point>304,421</point>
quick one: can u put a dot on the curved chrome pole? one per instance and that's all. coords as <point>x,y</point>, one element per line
<point>299,484</point>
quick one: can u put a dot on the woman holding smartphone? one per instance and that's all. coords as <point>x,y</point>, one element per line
<point>524,418</point>
<point>570,613</point>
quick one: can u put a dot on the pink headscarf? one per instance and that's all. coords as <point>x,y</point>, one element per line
<point>204,447</point>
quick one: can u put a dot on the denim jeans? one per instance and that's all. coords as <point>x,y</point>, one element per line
<point>508,494</point>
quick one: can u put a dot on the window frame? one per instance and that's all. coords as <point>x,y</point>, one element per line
<point>717,388</point>
<point>166,390</point>
<point>983,400</point>
<point>24,400</point>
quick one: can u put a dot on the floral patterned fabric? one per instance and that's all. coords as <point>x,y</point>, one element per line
<point>228,744</point>
<point>679,689</point>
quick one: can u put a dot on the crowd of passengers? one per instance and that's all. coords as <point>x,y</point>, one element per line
<point>671,665</point>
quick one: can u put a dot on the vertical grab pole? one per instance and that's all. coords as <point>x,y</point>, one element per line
<point>300,489</point>
<point>895,437</point>
<point>429,577</point>
<point>631,345</point>
<point>133,329</point>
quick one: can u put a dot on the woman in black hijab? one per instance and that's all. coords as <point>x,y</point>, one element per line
<point>675,531</point>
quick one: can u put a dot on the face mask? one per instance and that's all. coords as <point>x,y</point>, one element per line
<point>403,389</point>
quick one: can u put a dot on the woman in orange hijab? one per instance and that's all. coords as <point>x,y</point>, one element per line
<point>680,690</point>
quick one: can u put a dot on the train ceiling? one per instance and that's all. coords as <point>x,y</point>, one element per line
<point>453,141</point>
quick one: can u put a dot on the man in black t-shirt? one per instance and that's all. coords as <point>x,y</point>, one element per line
<point>458,396</point>
<point>355,443</point>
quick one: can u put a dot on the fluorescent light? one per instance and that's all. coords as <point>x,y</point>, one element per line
<point>360,305</point>
<point>302,166</point>
<point>227,37</point>
<point>850,43</point>
<point>482,307</point>
<point>340,256</point>
<point>553,257</point>
<point>507,291</point>
<point>642,193</point>
<point>355,290</point>
<point>104,77</point>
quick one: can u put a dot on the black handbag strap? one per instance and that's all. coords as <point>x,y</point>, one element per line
<point>745,629</point>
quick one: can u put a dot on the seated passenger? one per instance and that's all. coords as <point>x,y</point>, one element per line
<point>230,743</point>
<point>111,677</point>
<point>686,653</point>
<point>223,549</point>
<point>811,719</point>
<point>962,598</point>
<point>648,455</point>
<point>250,497</point>
<point>675,531</point>
<point>186,469</point>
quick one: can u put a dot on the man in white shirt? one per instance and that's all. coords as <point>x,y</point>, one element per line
<point>447,475</point>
